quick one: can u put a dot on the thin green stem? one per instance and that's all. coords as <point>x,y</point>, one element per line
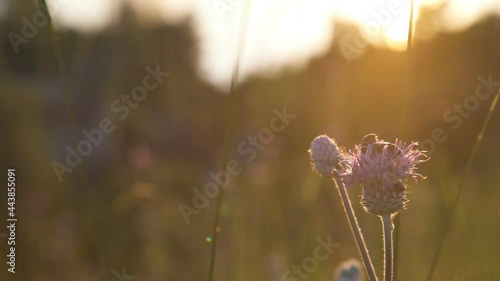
<point>358,235</point>
<point>82,196</point>
<point>409,42</point>
<point>227,151</point>
<point>227,143</point>
<point>405,95</point>
<point>404,114</point>
<point>388,247</point>
<point>56,48</point>
<point>461,185</point>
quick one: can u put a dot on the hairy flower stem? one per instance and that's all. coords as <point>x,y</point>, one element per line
<point>353,222</point>
<point>388,246</point>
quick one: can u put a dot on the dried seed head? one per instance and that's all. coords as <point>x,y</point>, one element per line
<point>325,155</point>
<point>349,271</point>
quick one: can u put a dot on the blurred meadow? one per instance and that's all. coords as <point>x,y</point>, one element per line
<point>120,209</point>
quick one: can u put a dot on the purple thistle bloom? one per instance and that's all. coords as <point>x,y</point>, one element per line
<point>382,162</point>
<point>382,169</point>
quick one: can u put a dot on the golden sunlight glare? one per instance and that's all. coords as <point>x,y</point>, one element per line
<point>278,34</point>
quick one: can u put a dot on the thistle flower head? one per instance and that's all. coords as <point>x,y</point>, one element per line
<point>382,162</point>
<point>325,155</point>
<point>349,271</point>
<point>382,168</point>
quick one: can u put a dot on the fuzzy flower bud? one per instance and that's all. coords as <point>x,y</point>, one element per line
<point>349,271</point>
<point>325,155</point>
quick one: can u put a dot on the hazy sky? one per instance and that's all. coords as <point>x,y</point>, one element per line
<point>278,33</point>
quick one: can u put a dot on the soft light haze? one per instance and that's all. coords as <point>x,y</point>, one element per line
<point>277,34</point>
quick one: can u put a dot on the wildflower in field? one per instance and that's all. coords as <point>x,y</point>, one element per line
<point>382,168</point>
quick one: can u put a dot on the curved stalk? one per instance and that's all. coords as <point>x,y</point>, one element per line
<point>358,236</point>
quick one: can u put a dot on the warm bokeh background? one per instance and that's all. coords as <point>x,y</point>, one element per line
<point>119,209</point>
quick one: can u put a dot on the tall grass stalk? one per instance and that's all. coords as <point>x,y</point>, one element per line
<point>468,167</point>
<point>356,230</point>
<point>228,144</point>
<point>61,67</point>
<point>404,117</point>
<point>84,201</point>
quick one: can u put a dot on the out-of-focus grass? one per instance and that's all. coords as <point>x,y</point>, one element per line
<point>461,185</point>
